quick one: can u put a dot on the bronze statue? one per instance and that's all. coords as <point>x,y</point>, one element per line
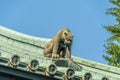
<point>60,46</point>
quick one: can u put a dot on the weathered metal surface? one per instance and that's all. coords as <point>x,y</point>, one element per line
<point>30,48</point>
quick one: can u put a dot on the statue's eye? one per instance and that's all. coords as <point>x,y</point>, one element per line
<point>65,33</point>
<point>69,40</point>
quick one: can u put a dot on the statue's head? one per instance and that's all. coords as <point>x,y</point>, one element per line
<point>67,36</point>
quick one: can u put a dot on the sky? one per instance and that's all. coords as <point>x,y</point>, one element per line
<point>44,18</point>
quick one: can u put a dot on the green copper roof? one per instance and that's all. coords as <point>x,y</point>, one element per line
<point>37,41</point>
<point>30,48</point>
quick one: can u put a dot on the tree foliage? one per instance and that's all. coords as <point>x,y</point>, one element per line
<point>113,42</point>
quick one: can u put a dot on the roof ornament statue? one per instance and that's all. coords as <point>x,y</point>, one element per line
<point>60,45</point>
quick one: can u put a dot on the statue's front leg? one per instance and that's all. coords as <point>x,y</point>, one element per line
<point>55,50</point>
<point>68,52</point>
<point>62,52</point>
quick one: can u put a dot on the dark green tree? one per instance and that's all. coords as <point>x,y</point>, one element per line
<point>113,42</point>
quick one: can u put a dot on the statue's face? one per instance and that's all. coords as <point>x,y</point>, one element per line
<point>68,36</point>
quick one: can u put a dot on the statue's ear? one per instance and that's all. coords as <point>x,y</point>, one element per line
<point>72,36</point>
<point>67,29</point>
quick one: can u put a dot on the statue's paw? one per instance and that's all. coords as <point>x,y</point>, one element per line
<point>57,56</point>
<point>54,55</point>
<point>48,55</point>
